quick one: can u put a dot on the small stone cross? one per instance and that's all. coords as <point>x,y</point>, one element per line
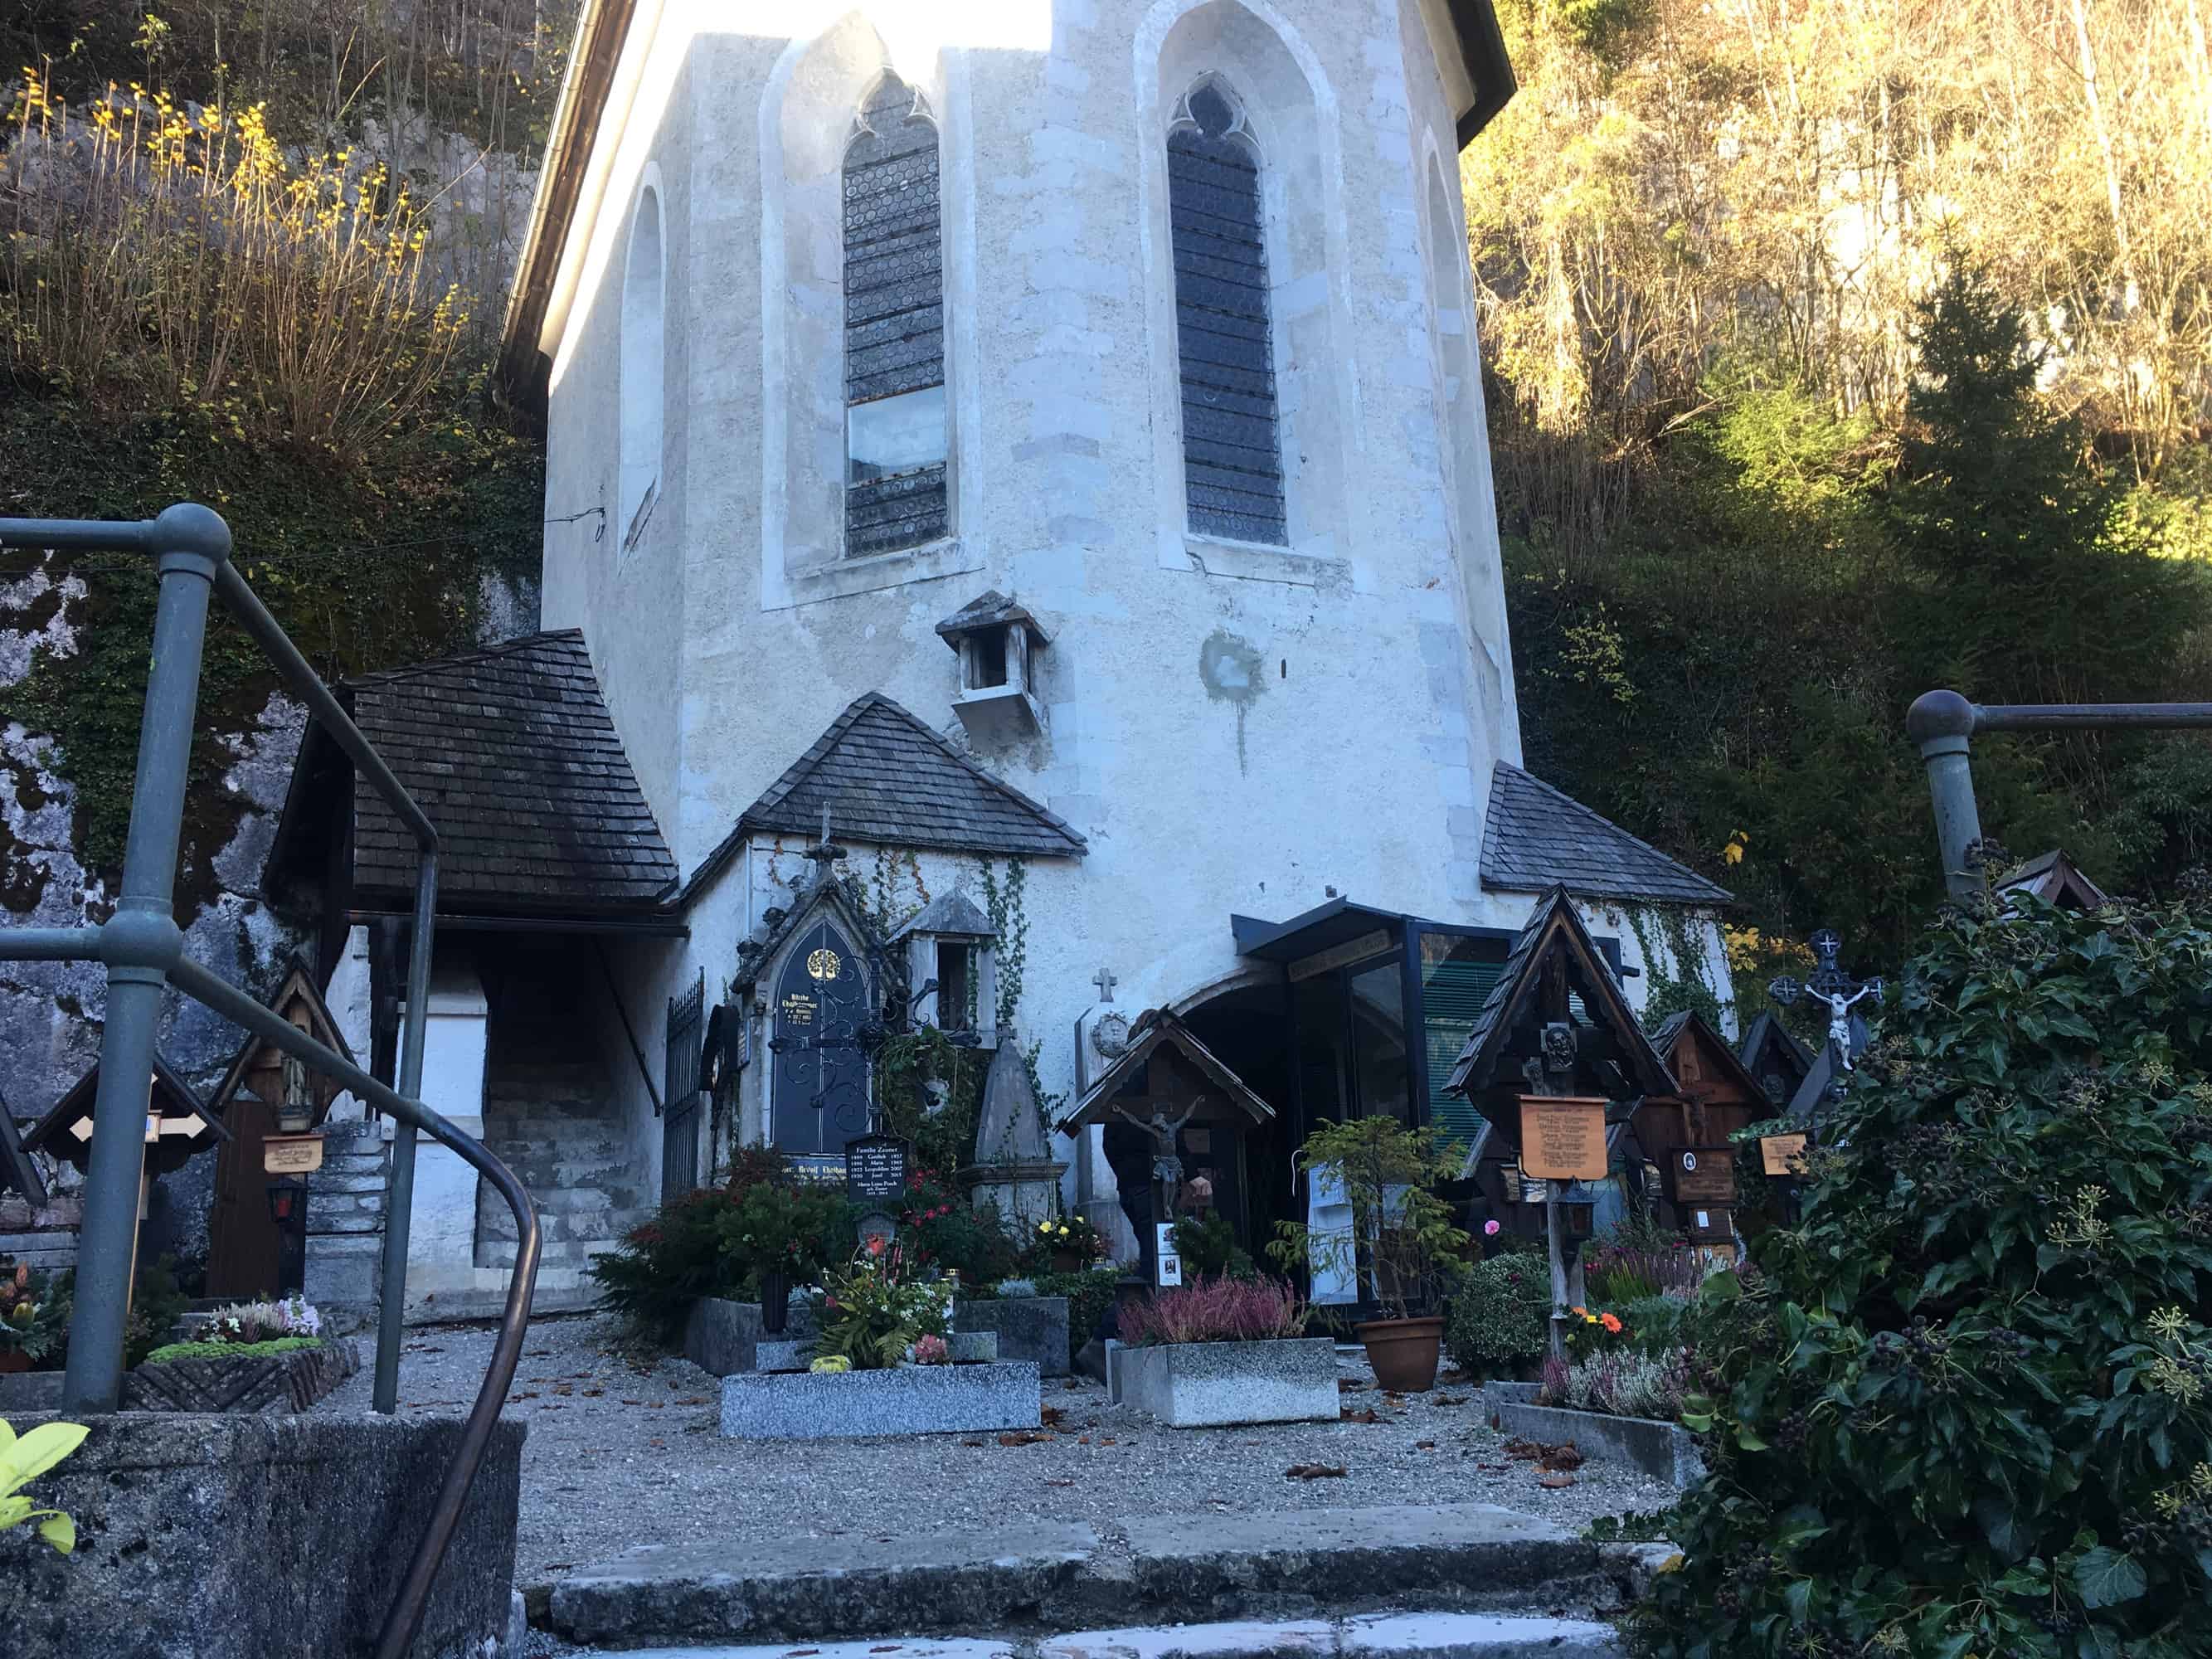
<point>1105,981</point>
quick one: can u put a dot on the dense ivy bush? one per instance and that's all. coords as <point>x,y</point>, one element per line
<point>1494,1325</point>
<point>1961,1409</point>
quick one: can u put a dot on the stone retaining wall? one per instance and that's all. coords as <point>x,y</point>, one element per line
<point>1665,1451</point>
<point>239,1537</point>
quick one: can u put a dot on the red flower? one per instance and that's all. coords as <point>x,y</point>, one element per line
<point>875,1244</point>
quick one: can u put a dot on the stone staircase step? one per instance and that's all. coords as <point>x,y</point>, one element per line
<point>1386,1636</point>
<point>1314,1565</point>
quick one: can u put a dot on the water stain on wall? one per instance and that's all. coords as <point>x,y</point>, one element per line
<point>1229,667</point>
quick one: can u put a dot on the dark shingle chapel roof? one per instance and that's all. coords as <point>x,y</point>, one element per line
<point>1537,837</point>
<point>511,753</point>
<point>885,776</point>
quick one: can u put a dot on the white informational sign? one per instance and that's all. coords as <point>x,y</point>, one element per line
<point>1328,1222</point>
<point>1170,1264</point>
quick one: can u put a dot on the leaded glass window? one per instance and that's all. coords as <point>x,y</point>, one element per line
<point>894,409</point>
<point>1232,458</point>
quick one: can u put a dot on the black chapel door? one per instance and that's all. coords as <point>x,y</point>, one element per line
<point>821,1072</point>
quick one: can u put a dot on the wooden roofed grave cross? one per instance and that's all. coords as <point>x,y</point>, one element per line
<point>1552,1077</point>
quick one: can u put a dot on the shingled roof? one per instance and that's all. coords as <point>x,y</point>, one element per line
<point>883,775</point>
<point>511,755</point>
<point>1537,837</point>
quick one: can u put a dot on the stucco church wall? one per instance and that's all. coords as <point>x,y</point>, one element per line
<point>1233,728</point>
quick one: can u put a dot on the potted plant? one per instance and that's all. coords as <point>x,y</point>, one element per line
<point>878,1308</point>
<point>1220,1350</point>
<point>1401,1248</point>
<point>31,1322</point>
<point>1070,1243</point>
<point>779,1235</point>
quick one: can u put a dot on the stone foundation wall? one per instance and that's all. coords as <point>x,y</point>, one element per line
<point>239,1537</point>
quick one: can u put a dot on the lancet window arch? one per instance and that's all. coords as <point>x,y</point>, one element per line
<point>896,428</point>
<point>1231,445</point>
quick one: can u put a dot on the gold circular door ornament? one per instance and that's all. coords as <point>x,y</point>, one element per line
<point>822,964</point>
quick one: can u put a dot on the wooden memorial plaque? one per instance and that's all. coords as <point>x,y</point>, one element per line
<point>1702,1175</point>
<point>875,1171</point>
<point>1783,1155</point>
<point>292,1154</point>
<point>1563,1138</point>
<point>1713,1226</point>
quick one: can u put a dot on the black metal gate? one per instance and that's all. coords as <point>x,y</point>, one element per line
<point>679,1127</point>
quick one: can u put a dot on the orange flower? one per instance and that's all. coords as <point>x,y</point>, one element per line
<point>1611,1322</point>
<point>1584,1311</point>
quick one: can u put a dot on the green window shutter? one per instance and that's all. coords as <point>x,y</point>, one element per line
<point>1451,999</point>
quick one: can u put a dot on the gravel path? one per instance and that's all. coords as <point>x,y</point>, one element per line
<point>621,1454</point>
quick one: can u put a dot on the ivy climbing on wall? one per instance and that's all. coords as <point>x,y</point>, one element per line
<point>1674,972</point>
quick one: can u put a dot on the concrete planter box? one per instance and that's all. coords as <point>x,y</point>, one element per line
<point>1031,1328</point>
<point>242,1536</point>
<point>724,1338</point>
<point>282,1383</point>
<point>911,1400</point>
<point>1196,1385</point>
<point>29,1391</point>
<point>1664,1451</point>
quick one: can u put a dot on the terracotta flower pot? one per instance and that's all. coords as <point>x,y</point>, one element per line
<point>1404,1352</point>
<point>14,1360</point>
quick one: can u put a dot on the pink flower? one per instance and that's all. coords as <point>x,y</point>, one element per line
<point>1490,1230</point>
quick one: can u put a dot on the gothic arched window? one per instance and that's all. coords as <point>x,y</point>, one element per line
<point>895,409</point>
<point>1232,457</point>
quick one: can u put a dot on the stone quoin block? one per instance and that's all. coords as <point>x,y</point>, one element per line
<point>911,1400</point>
<point>1190,1385</point>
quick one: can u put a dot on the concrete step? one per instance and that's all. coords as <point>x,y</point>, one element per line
<point>1387,1635</point>
<point>1325,1564</point>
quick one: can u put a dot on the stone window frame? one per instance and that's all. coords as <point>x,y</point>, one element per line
<point>1462,428</point>
<point>805,120</point>
<point>641,353</point>
<point>1289,110</point>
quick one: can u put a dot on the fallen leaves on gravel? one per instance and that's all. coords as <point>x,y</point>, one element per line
<point>1564,1455</point>
<point>1052,1416</point>
<point>1315,1472</point>
<point>1023,1437</point>
<point>1345,1385</point>
<point>693,1400</point>
<point>1448,1399</point>
<point>1563,1459</point>
<point>1555,1481</point>
<point>971,1443</point>
<point>1059,1483</point>
<point>1425,1445</point>
<point>1351,1416</point>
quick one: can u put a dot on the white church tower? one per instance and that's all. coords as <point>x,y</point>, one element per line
<point>1045,435</point>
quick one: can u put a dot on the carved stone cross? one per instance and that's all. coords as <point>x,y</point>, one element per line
<point>1105,981</point>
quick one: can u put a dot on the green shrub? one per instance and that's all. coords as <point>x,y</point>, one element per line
<point>1961,1409</point>
<point>274,1344</point>
<point>939,1229</point>
<point>1658,1325</point>
<point>1208,1248</point>
<point>1495,1325</point>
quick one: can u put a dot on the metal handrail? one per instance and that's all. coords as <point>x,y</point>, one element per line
<point>143,950</point>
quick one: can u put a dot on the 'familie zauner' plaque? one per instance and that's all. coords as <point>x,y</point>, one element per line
<point>1563,1138</point>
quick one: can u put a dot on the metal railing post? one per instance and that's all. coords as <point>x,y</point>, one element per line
<point>141,943</point>
<point>399,1200</point>
<point>1942,723</point>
